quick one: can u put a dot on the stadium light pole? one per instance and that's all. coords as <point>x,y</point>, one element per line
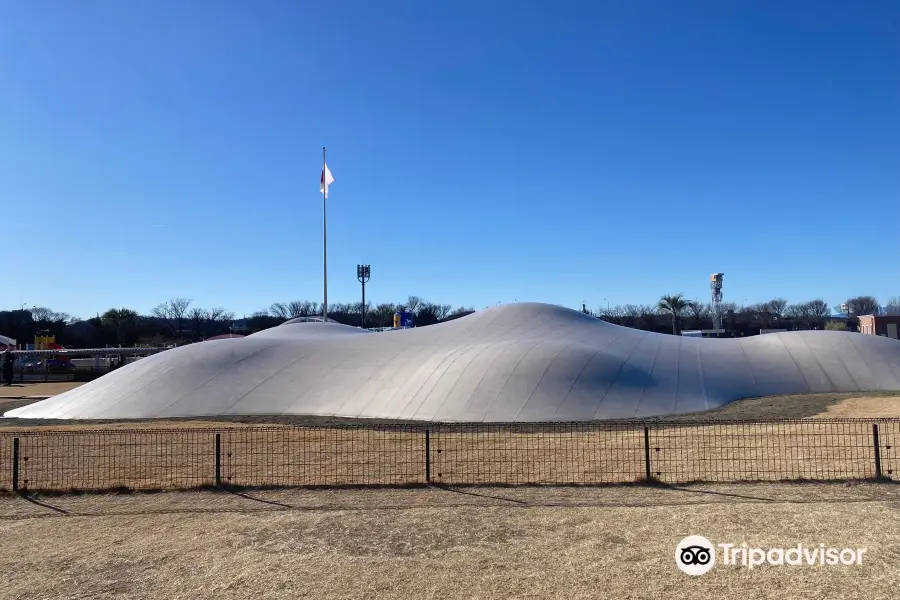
<point>363,274</point>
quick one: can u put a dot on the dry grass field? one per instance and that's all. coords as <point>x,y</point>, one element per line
<point>179,453</point>
<point>251,455</point>
<point>804,406</point>
<point>37,389</point>
<point>448,541</point>
<point>568,543</point>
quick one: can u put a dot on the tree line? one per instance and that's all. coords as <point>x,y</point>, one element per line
<point>674,313</point>
<point>178,321</point>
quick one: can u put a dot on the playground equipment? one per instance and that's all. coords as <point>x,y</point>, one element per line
<point>403,320</point>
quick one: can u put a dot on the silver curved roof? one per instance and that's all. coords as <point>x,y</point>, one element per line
<point>312,319</point>
<point>520,362</point>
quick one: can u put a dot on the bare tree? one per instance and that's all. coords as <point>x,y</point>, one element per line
<point>295,308</point>
<point>221,315</point>
<point>634,310</point>
<point>800,313</point>
<point>305,309</point>
<point>198,318</point>
<point>426,314</point>
<point>700,312</point>
<point>358,309</point>
<point>279,310</point>
<point>173,313</point>
<point>443,311</point>
<point>893,306</point>
<point>413,304</point>
<point>609,313</point>
<point>759,314</point>
<point>729,307</point>
<point>818,312</point>
<point>206,323</point>
<point>39,314</point>
<point>382,315</point>
<point>863,305</point>
<point>777,307</point>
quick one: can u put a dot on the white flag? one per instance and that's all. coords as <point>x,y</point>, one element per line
<point>326,180</point>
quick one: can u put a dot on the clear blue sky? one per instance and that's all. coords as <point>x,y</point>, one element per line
<point>484,152</point>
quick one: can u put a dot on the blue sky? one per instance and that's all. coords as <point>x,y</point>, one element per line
<point>484,152</point>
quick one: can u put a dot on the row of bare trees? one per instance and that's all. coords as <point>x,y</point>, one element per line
<point>777,313</point>
<point>377,315</point>
<point>185,321</point>
<point>180,321</point>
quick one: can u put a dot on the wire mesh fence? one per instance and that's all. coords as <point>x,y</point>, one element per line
<point>572,453</point>
<point>454,454</point>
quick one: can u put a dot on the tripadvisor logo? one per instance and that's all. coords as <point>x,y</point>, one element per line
<point>696,555</point>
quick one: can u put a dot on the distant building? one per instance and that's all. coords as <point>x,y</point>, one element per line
<point>885,325</point>
<point>240,325</point>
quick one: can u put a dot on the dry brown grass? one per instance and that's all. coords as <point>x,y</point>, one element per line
<point>250,455</point>
<point>51,388</point>
<point>796,406</point>
<point>802,406</point>
<point>436,543</point>
<point>864,406</point>
<point>181,453</point>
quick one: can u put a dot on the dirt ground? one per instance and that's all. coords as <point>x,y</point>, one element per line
<point>553,542</point>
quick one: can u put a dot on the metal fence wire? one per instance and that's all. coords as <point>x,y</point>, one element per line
<point>454,454</point>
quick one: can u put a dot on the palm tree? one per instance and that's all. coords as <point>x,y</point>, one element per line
<point>674,306</point>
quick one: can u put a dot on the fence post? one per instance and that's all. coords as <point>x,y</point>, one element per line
<point>648,473</point>
<point>877,450</point>
<point>427,456</point>
<point>15,465</point>
<point>218,459</point>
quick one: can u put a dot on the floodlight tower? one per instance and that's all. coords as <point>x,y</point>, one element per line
<point>715,286</point>
<point>363,274</point>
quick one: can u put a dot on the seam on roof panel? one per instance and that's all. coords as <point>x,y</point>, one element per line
<point>175,364</point>
<point>649,377</point>
<point>550,364</point>
<point>616,376</point>
<point>581,372</point>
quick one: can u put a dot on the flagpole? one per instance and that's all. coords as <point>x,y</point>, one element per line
<point>324,240</point>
